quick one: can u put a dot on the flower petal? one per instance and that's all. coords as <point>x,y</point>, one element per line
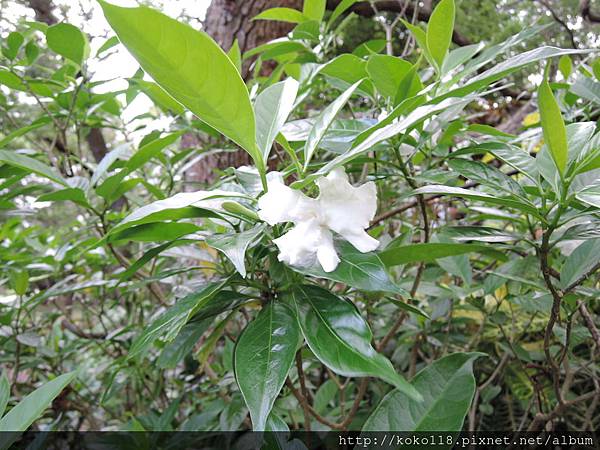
<point>284,204</point>
<point>348,210</point>
<point>306,243</point>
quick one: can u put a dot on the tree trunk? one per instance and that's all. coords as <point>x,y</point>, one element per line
<point>226,21</point>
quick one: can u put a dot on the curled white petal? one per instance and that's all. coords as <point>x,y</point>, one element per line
<point>340,207</point>
<point>348,210</point>
<point>284,204</point>
<point>305,243</point>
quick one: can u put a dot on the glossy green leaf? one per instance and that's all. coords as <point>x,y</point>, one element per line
<point>4,393</point>
<point>565,66</point>
<point>183,344</point>
<point>14,41</point>
<point>506,67</point>
<point>582,260</point>
<point>69,41</point>
<point>378,134</point>
<point>553,126</point>
<point>264,354</point>
<point>31,165</point>
<point>314,9</point>
<point>23,131</point>
<point>235,55</point>
<point>192,68</point>
<point>509,202</point>
<point>364,271</point>
<point>272,108</point>
<point>324,121</point>
<point>74,195</point>
<point>282,14</point>
<point>169,323</point>
<point>387,72</point>
<point>234,245</point>
<point>439,31</point>
<point>154,232</point>
<point>447,387</point>
<point>179,206</point>
<point>342,7</point>
<point>21,416</point>
<point>427,252</point>
<point>345,70</point>
<point>341,339</point>
<point>421,37</point>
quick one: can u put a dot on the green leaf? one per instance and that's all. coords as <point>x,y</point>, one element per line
<point>20,281</point>
<point>282,14</point>
<point>345,70</point>
<point>553,126</point>
<point>499,71</point>
<point>4,393</point>
<point>428,252</point>
<point>439,31</point>
<point>264,354</point>
<point>69,41</point>
<point>341,339</point>
<point>364,271</point>
<point>24,130</point>
<point>340,9</point>
<point>235,55</point>
<point>183,344</point>
<point>324,121</point>
<point>582,260</point>
<point>31,165</point>
<point>20,417</point>
<point>272,108</point>
<point>486,175</point>
<point>234,245</point>
<point>74,195</point>
<point>154,232</point>
<point>387,72</point>
<point>421,38</point>
<point>565,65</point>
<point>192,68</point>
<point>378,134</point>
<point>14,41</point>
<point>172,321</point>
<point>480,196</point>
<point>179,206</point>
<point>314,9</point>
<point>447,386</point>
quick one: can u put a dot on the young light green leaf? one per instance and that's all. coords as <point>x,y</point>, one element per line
<point>324,121</point>
<point>192,68</point>
<point>427,252</point>
<point>282,14</point>
<point>69,41</point>
<point>272,108</point>
<point>341,339</point>
<point>439,31</point>
<point>553,126</point>
<point>33,405</point>
<point>387,72</point>
<point>235,55</point>
<point>314,9</point>
<point>234,245</point>
<point>31,165</point>
<point>340,9</point>
<point>447,386</point>
<point>264,354</point>
<point>4,393</point>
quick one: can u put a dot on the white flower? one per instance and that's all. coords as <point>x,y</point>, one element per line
<point>340,207</point>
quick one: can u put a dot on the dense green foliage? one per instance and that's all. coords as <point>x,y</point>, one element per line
<point>165,305</point>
